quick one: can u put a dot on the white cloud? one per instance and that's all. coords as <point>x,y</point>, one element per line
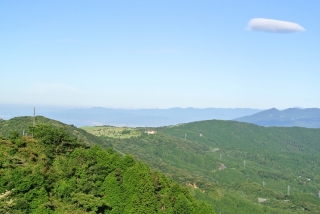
<point>274,26</point>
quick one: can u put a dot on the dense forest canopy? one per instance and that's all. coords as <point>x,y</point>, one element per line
<point>52,172</point>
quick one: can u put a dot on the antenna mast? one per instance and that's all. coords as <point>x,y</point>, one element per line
<point>34,116</point>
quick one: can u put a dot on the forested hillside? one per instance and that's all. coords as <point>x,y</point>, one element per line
<point>224,163</point>
<point>231,164</point>
<point>274,163</point>
<point>52,172</point>
<point>22,124</point>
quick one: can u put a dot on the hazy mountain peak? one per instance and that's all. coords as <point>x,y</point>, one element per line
<point>309,118</point>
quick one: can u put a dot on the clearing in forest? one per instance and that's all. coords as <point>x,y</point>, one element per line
<point>111,131</point>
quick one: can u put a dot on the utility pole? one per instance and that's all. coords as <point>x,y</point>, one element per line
<point>244,164</point>
<point>23,132</point>
<point>288,193</point>
<point>263,183</point>
<point>34,116</point>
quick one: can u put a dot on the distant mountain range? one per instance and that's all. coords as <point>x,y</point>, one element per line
<point>128,117</point>
<point>309,118</point>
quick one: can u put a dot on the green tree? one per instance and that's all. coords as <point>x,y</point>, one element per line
<point>112,193</point>
<point>140,196</point>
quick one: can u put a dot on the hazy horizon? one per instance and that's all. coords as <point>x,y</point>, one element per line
<point>138,108</point>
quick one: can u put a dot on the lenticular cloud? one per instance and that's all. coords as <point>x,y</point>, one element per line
<point>274,26</point>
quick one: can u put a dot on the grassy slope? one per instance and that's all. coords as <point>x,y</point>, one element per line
<point>115,132</point>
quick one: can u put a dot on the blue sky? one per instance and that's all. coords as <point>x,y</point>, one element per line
<point>158,54</point>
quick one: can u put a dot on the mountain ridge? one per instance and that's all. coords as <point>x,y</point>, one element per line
<point>309,118</point>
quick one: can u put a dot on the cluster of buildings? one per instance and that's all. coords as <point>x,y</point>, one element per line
<point>150,132</point>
